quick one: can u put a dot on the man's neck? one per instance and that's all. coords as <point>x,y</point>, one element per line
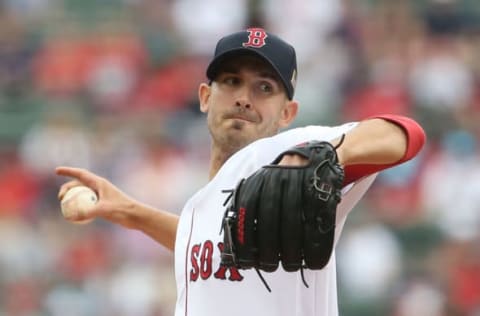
<point>217,159</point>
<point>218,156</point>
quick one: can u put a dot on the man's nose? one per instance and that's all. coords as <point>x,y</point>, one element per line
<point>243,98</point>
<point>243,104</point>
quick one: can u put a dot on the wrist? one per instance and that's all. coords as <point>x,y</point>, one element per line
<point>128,215</point>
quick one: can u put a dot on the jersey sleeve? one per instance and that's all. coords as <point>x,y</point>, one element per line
<point>415,140</point>
<point>265,150</point>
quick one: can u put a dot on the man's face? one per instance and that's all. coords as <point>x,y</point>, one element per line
<point>245,102</point>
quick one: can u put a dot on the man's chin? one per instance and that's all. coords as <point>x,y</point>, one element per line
<point>239,124</point>
<point>237,138</point>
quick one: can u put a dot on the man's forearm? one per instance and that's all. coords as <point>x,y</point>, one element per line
<point>379,143</point>
<point>158,224</point>
<point>374,141</point>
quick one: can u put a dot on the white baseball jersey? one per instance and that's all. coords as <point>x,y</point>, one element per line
<point>204,288</point>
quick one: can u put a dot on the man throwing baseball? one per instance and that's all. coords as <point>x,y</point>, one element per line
<point>259,238</point>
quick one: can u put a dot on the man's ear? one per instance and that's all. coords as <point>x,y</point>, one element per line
<point>289,113</point>
<point>203,96</point>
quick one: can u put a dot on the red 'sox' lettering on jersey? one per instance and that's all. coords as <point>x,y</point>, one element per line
<point>222,270</point>
<point>201,258</point>
<point>194,255</point>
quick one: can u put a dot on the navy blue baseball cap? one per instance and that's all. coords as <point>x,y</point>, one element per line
<point>275,51</point>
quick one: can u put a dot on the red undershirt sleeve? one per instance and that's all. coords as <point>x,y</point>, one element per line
<point>415,141</point>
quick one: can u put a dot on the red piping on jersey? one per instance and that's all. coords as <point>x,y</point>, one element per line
<point>186,263</point>
<point>415,140</point>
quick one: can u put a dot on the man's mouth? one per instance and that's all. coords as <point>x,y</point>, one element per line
<point>240,117</point>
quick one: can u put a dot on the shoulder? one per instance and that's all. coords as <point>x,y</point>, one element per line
<point>289,138</point>
<point>313,132</point>
<point>265,150</point>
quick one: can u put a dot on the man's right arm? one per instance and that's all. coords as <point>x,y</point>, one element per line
<point>115,206</point>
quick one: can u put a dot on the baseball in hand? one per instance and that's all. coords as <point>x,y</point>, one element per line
<point>77,202</point>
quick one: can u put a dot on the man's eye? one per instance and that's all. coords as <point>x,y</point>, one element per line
<point>265,87</point>
<point>230,80</point>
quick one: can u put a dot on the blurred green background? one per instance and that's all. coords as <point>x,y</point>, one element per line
<point>111,86</point>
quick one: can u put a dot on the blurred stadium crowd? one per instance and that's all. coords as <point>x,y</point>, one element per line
<point>111,86</point>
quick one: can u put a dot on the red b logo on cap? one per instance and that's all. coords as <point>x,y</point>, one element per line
<point>256,38</point>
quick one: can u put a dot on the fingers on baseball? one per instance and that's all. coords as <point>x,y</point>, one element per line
<point>67,186</point>
<point>80,216</point>
<point>82,177</point>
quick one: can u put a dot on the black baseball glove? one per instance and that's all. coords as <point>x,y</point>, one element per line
<point>285,213</point>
